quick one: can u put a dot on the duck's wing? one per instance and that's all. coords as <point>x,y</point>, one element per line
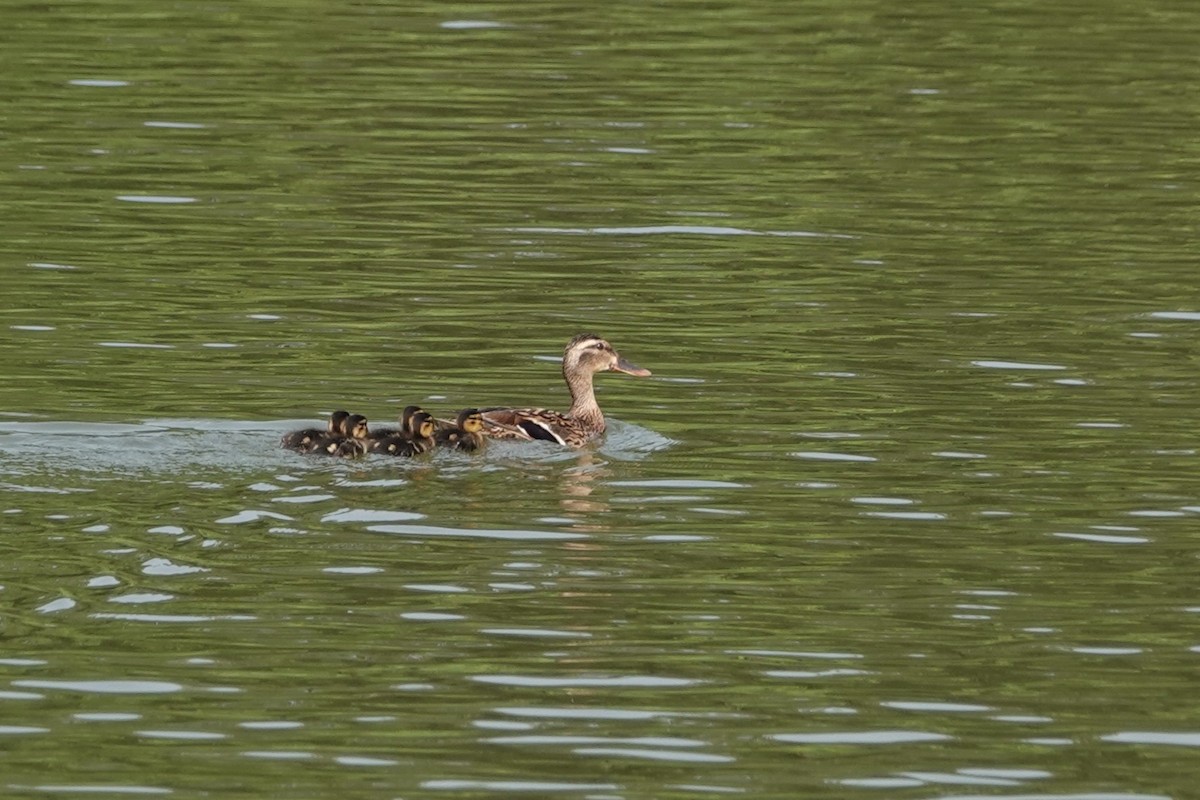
<point>526,423</point>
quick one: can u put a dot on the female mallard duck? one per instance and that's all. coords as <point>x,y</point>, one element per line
<point>584,356</point>
<point>351,442</point>
<point>303,439</point>
<point>467,433</point>
<point>420,440</point>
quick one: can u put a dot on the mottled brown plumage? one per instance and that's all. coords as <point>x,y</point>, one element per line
<point>465,435</point>
<point>419,441</point>
<point>351,442</point>
<point>584,356</point>
<point>302,440</point>
<point>405,428</point>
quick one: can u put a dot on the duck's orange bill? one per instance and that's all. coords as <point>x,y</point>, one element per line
<point>629,369</point>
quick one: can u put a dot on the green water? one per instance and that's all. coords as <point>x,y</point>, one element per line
<point>907,510</point>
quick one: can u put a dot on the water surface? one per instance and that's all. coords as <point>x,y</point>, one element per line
<point>906,509</point>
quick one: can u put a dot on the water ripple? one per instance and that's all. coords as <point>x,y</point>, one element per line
<point>195,736</point>
<point>1049,796</point>
<point>1024,365</point>
<point>1181,739</point>
<point>515,535</point>
<point>860,737</point>
<point>536,633</point>
<point>84,788</point>
<point>103,687</point>
<point>552,712</point>
<point>648,741</point>
<point>958,708</point>
<point>654,755</point>
<point>280,755</point>
<point>817,455</point>
<point>694,230</point>
<point>155,198</point>
<point>518,786</point>
<point>622,681</point>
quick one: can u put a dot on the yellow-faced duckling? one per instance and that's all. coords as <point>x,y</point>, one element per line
<point>304,438</point>
<point>350,443</point>
<point>467,433</point>
<point>585,355</point>
<point>421,440</point>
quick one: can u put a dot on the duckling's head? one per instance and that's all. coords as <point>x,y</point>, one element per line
<point>423,425</point>
<point>588,353</point>
<point>355,426</point>
<point>470,420</point>
<point>337,419</point>
<point>406,418</point>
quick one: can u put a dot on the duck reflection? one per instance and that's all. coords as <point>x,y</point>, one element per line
<point>579,482</point>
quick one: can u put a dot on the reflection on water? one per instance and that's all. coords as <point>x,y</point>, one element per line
<point>578,484</point>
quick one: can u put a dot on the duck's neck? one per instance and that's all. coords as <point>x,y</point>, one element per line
<point>583,400</point>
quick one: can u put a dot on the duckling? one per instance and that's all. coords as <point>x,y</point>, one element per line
<point>405,428</point>
<point>420,441</point>
<point>350,443</point>
<point>423,426</point>
<point>467,433</point>
<point>303,439</point>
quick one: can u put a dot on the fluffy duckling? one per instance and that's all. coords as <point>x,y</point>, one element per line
<point>420,441</point>
<point>405,428</point>
<point>302,440</point>
<point>467,433</point>
<point>351,442</point>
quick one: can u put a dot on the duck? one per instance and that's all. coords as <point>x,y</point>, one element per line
<point>419,441</point>
<point>465,435</point>
<point>405,428</point>
<point>350,442</point>
<point>584,356</point>
<point>303,439</point>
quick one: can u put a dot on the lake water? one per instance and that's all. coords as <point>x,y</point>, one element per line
<point>908,509</point>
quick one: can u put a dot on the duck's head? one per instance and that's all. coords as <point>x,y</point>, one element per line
<point>406,418</point>
<point>422,425</point>
<point>337,419</point>
<point>355,426</point>
<point>470,420</point>
<point>588,353</point>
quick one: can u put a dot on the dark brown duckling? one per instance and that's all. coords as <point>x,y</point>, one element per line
<point>405,428</point>
<point>350,443</point>
<point>303,439</point>
<point>467,433</point>
<point>421,440</point>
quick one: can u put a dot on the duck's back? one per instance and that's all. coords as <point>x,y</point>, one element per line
<point>302,439</point>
